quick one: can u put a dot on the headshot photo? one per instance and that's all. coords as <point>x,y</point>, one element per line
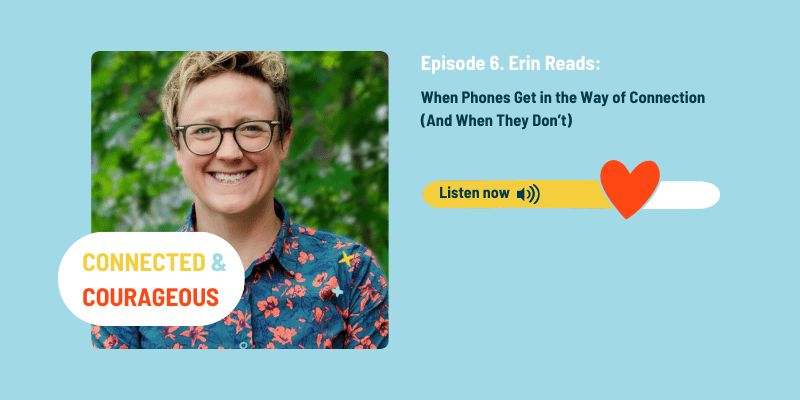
<point>285,155</point>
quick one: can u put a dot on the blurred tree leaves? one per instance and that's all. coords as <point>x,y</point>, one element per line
<point>335,179</point>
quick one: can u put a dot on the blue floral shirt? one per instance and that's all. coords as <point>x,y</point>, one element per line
<point>297,295</point>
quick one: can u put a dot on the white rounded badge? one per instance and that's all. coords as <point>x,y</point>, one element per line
<point>151,279</point>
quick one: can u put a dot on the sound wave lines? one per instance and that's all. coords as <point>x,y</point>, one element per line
<point>533,193</point>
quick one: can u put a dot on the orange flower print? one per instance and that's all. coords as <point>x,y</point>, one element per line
<point>319,279</point>
<point>227,320</point>
<point>124,346</point>
<point>305,257</point>
<point>111,342</point>
<point>195,333</point>
<point>366,343</point>
<point>283,335</point>
<point>383,326</point>
<point>366,291</point>
<point>383,283</point>
<point>352,333</point>
<point>270,307</point>
<point>299,277</point>
<point>176,346</point>
<point>307,231</point>
<point>270,345</point>
<point>96,331</point>
<point>168,332</point>
<point>323,345</point>
<point>297,291</point>
<point>292,245</point>
<point>339,244</point>
<point>332,283</point>
<point>287,247</point>
<point>242,322</point>
<point>345,314</point>
<point>202,346</point>
<point>318,314</point>
<point>326,293</point>
<point>356,261</point>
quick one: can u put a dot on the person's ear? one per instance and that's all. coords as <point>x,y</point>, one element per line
<point>285,142</point>
<point>178,157</point>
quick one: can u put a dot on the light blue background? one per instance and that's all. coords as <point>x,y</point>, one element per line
<point>553,304</point>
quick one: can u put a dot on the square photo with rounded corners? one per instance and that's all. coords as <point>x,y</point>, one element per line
<point>283,154</point>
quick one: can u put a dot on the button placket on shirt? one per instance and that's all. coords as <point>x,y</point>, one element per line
<point>243,340</point>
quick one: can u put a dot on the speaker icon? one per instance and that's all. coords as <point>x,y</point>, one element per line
<point>533,192</point>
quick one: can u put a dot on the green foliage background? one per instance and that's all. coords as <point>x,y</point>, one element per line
<point>336,177</point>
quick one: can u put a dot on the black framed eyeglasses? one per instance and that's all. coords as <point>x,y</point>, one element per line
<point>250,136</point>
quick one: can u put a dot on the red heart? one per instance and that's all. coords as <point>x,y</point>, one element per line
<point>629,191</point>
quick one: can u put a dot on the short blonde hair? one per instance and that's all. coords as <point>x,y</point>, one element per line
<point>196,66</point>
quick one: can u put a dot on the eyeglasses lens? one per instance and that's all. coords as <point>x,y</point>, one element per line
<point>252,137</point>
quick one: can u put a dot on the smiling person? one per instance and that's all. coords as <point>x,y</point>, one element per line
<point>230,122</point>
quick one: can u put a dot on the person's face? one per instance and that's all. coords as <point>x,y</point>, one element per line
<point>231,181</point>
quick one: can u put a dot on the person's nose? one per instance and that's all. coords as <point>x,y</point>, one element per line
<point>228,149</point>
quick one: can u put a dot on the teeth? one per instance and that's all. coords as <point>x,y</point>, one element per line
<point>229,177</point>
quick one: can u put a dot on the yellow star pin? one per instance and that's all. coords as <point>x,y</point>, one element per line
<point>346,259</point>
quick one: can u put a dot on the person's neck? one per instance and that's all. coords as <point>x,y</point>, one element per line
<point>250,233</point>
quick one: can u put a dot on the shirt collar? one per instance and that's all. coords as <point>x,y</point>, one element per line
<point>281,248</point>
